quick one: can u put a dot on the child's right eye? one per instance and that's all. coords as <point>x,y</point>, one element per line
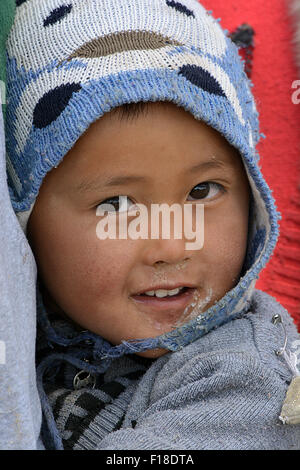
<point>120,203</point>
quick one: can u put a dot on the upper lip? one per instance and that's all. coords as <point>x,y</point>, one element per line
<point>165,287</point>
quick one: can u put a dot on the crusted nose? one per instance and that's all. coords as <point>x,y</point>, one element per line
<point>121,42</point>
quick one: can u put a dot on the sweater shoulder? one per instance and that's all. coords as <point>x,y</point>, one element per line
<point>266,306</point>
<point>273,328</point>
<point>253,335</point>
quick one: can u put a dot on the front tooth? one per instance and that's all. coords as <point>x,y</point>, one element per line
<point>150,292</point>
<point>174,291</point>
<point>161,293</point>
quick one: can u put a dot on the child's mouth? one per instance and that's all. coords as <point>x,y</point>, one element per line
<point>160,301</point>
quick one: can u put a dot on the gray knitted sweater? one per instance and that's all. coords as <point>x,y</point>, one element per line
<point>223,391</point>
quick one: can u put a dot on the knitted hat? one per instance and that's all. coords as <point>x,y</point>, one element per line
<point>72,61</point>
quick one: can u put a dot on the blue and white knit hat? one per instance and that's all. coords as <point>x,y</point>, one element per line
<point>72,61</point>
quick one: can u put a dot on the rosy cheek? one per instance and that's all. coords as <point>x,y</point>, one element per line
<point>105,267</point>
<point>225,244</point>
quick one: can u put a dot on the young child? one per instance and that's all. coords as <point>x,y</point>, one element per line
<point>143,343</point>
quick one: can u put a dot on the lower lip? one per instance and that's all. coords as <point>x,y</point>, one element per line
<point>177,302</point>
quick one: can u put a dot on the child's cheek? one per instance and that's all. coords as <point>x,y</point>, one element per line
<point>225,243</point>
<point>105,267</point>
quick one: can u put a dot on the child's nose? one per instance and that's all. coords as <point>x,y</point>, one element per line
<point>170,251</point>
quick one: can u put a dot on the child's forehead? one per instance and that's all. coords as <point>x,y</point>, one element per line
<point>106,18</point>
<point>145,144</point>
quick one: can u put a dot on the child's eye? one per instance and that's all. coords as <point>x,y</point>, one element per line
<point>206,190</point>
<point>120,203</point>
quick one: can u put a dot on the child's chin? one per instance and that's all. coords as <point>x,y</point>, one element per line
<point>153,353</point>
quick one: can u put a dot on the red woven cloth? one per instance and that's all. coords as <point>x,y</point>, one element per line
<point>273,72</point>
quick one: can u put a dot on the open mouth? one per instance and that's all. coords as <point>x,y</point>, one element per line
<point>162,301</point>
<point>162,294</point>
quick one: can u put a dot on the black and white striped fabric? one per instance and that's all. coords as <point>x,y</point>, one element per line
<point>85,416</point>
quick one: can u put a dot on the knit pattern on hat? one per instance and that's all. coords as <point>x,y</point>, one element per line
<point>65,75</point>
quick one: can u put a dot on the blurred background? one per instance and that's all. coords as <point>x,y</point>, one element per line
<point>275,68</point>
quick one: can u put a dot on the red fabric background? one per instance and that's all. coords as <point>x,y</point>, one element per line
<point>274,71</point>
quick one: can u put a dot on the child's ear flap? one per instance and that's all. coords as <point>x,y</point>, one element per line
<point>243,37</point>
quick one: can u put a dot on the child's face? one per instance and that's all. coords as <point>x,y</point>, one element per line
<point>94,281</point>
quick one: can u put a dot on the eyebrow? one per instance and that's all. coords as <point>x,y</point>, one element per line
<point>123,180</point>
